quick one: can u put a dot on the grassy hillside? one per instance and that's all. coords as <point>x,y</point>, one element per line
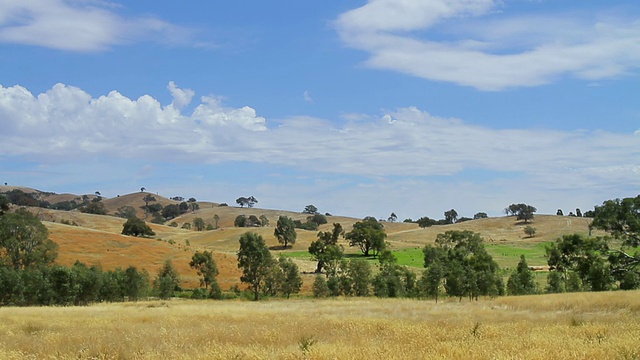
<point>563,326</point>
<point>96,239</point>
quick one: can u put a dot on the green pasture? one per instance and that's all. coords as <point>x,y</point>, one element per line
<point>506,255</point>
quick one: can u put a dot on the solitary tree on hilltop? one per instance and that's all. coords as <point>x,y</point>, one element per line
<point>310,209</point>
<point>521,211</point>
<point>451,216</point>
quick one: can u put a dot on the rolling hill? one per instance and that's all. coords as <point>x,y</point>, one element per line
<point>96,239</point>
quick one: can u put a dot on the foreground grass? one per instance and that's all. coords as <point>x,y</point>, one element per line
<point>585,325</point>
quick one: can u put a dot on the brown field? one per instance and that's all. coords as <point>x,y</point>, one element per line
<point>566,326</point>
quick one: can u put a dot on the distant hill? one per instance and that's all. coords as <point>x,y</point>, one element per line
<point>96,239</point>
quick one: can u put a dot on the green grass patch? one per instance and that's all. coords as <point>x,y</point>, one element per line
<point>412,257</point>
<point>508,255</point>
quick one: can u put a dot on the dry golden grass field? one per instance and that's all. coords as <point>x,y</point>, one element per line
<point>565,326</point>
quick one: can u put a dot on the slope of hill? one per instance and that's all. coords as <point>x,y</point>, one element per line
<point>97,240</point>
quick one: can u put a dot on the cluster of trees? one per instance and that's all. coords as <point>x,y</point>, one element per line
<point>264,274</point>
<point>450,217</point>
<point>581,263</point>
<point>28,275</point>
<point>460,261</point>
<point>251,221</point>
<point>248,201</point>
<point>457,263</point>
<point>578,213</point>
<point>160,214</point>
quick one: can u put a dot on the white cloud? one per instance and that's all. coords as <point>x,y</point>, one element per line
<point>66,121</point>
<point>181,97</point>
<point>79,25</point>
<point>489,51</point>
<point>67,125</point>
<point>407,157</point>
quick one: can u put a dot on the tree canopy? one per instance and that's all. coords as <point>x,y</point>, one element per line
<point>325,249</point>
<point>461,260</point>
<point>620,218</point>
<point>248,201</point>
<point>24,241</point>
<point>206,268</point>
<point>136,227</point>
<point>285,231</point>
<point>450,216</point>
<point>521,211</point>
<point>255,261</point>
<point>310,209</point>
<point>368,235</point>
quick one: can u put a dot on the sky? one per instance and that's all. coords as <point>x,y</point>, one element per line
<point>361,108</point>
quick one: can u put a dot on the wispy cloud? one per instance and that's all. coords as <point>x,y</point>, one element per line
<point>490,51</point>
<point>307,97</point>
<point>86,26</point>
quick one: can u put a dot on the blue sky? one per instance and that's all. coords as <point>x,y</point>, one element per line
<point>358,107</point>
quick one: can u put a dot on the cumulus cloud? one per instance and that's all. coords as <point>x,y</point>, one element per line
<point>489,51</point>
<point>79,25</point>
<point>65,122</point>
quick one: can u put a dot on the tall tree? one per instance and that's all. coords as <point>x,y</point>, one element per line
<point>393,217</point>
<point>326,249</point>
<point>368,235</point>
<point>24,241</point>
<point>205,266</point>
<point>291,279</point>
<point>167,281</point>
<point>522,281</point>
<point>285,231</point>
<point>254,260</point>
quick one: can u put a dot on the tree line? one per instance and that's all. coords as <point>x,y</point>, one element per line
<point>456,265</point>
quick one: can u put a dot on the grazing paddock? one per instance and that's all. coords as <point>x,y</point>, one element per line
<point>571,326</point>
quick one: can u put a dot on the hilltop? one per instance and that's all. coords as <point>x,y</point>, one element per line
<point>96,239</point>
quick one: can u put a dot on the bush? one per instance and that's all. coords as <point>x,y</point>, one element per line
<point>320,288</point>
